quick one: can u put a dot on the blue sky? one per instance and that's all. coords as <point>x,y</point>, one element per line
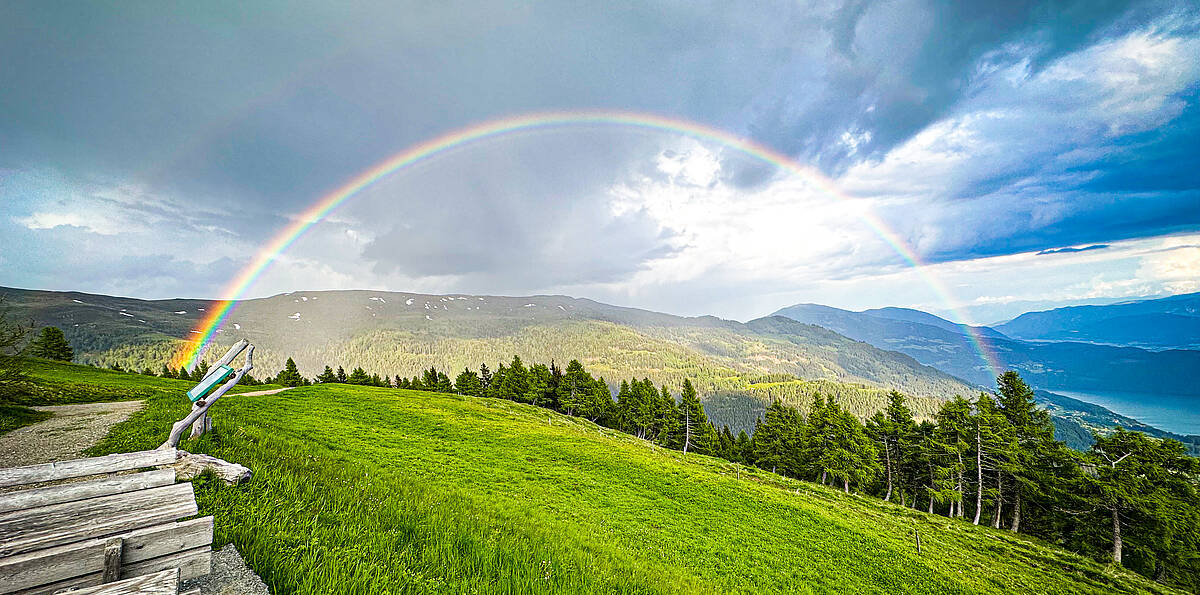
<point>148,149</point>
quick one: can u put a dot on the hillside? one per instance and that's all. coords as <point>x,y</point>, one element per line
<point>404,333</point>
<point>1165,323</point>
<point>361,490</point>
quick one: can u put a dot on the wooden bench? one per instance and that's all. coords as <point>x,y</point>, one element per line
<point>118,531</point>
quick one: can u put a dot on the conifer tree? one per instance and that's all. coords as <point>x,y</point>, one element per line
<point>485,380</point>
<point>166,372</point>
<point>358,376</point>
<point>51,344</point>
<point>290,375</point>
<point>575,388</point>
<point>515,384</point>
<point>956,435</point>
<point>468,383</point>
<point>775,442</point>
<point>341,375</point>
<point>697,432</point>
<point>1033,434</point>
<point>327,376</point>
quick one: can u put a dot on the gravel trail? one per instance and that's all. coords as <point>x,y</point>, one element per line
<point>73,429</point>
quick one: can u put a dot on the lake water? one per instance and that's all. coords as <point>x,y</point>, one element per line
<point>1165,412</point>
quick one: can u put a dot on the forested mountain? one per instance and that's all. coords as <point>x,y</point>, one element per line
<point>1047,365</point>
<point>1171,322</point>
<point>910,315</point>
<point>737,368</point>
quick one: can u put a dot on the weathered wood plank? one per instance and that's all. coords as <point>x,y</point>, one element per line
<point>191,564</point>
<point>71,492</point>
<point>155,542</point>
<point>17,476</point>
<point>162,582</point>
<point>112,560</point>
<point>60,563</point>
<point>58,524</point>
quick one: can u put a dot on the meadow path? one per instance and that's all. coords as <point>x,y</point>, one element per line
<point>73,429</point>
<point>259,393</point>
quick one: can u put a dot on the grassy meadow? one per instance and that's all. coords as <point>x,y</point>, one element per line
<point>58,383</point>
<point>373,490</point>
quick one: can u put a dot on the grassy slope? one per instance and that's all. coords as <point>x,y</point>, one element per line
<point>57,383</point>
<point>365,490</point>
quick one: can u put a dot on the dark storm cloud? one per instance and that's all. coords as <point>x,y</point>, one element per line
<point>894,68</point>
<point>1071,249</point>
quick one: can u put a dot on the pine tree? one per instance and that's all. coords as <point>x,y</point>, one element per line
<point>774,441</point>
<point>515,383</point>
<point>341,375</point>
<point>994,440</point>
<point>955,437</point>
<point>468,383</point>
<point>166,372</point>
<point>575,388</point>
<point>51,344</point>
<point>667,420</point>
<point>327,376</point>
<point>849,454</point>
<point>290,375</point>
<point>359,376</point>
<point>1033,434</point>
<point>1145,480</point>
<point>540,391</point>
<point>698,434</point>
<point>485,380</point>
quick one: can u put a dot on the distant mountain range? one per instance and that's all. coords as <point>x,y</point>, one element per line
<point>738,367</point>
<point>1164,323</point>
<point>1064,365</point>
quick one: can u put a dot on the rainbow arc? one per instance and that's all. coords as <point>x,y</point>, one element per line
<point>430,149</point>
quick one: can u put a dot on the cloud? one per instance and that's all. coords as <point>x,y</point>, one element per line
<point>980,134</point>
<point>1070,249</point>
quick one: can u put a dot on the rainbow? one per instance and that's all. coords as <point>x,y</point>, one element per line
<point>216,316</point>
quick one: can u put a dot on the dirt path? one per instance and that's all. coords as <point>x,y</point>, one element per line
<point>259,393</point>
<point>73,429</point>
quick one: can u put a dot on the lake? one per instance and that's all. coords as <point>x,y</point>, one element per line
<point>1166,412</point>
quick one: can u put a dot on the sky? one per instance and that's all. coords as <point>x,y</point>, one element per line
<point>1028,154</point>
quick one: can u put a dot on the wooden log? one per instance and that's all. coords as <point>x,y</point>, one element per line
<point>189,466</point>
<point>112,560</point>
<point>200,426</point>
<point>71,492</point>
<point>86,558</point>
<point>201,406</point>
<point>17,476</point>
<point>58,524</point>
<point>162,582</point>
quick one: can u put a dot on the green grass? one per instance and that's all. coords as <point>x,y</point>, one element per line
<point>369,490</point>
<point>58,383</point>
<point>16,416</point>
